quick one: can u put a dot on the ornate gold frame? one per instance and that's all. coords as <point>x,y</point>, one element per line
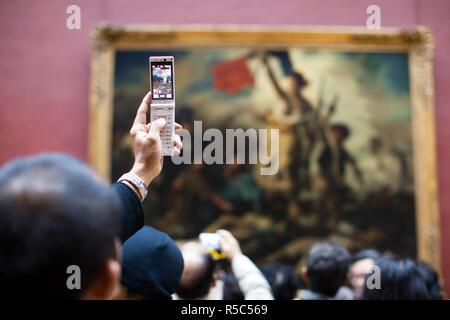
<point>417,42</point>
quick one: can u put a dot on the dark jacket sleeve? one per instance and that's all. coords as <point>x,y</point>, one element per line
<point>131,213</point>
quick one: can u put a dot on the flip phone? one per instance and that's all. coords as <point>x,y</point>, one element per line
<point>162,86</point>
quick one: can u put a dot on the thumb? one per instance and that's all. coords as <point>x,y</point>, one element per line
<point>157,126</point>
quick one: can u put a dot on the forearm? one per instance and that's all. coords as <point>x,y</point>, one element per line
<point>131,213</point>
<point>274,81</point>
<point>251,280</point>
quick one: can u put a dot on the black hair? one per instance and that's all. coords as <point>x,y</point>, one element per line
<point>282,280</point>
<point>342,128</point>
<point>199,284</point>
<point>431,279</point>
<point>327,267</point>
<point>399,280</point>
<point>54,213</point>
<point>366,254</point>
<point>231,289</point>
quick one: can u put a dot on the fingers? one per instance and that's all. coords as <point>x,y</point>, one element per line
<point>157,126</point>
<point>226,235</point>
<point>222,240</point>
<point>223,231</point>
<point>154,129</point>
<point>177,127</point>
<point>178,145</point>
<point>228,244</point>
<point>177,142</point>
<point>225,242</point>
<point>141,115</point>
<point>176,151</point>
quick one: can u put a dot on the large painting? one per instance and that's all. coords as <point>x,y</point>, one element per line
<point>346,107</point>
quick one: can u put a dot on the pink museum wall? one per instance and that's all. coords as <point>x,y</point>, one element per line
<point>44,67</point>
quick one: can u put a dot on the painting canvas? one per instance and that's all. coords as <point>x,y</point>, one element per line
<point>355,121</point>
<point>346,161</point>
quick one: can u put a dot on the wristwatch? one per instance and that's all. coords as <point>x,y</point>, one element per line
<point>137,182</point>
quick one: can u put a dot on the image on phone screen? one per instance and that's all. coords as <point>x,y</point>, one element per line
<point>162,85</point>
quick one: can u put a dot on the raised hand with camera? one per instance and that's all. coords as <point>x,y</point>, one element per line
<point>253,284</point>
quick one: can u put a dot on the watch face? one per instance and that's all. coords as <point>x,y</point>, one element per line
<point>137,182</point>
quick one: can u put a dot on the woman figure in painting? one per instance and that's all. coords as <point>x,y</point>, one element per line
<point>298,117</point>
<point>295,107</point>
<point>308,127</point>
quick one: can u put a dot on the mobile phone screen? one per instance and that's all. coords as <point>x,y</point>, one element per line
<point>162,84</point>
<point>210,240</point>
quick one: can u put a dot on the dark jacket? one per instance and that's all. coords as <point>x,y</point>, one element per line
<point>131,214</point>
<point>152,263</point>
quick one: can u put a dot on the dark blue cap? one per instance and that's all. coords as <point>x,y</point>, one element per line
<point>152,264</point>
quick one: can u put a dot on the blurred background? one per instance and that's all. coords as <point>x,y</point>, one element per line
<point>44,67</point>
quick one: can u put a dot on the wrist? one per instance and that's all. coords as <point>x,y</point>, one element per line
<point>234,255</point>
<point>136,183</point>
<point>140,170</point>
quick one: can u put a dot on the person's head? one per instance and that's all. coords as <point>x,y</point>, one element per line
<point>152,265</point>
<point>282,280</point>
<point>56,216</point>
<point>297,81</point>
<point>327,267</point>
<point>431,279</point>
<point>198,274</point>
<point>362,263</point>
<point>398,280</point>
<point>340,132</point>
